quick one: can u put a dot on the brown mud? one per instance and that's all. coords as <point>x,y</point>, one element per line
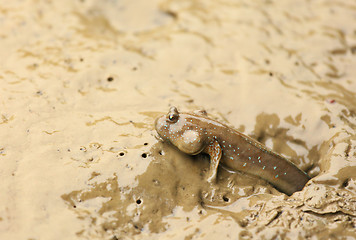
<point>83,81</point>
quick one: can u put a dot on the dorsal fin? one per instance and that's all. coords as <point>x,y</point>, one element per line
<point>201,113</point>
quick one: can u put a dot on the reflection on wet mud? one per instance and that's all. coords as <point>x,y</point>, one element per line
<point>123,210</point>
<point>171,180</point>
<point>174,180</point>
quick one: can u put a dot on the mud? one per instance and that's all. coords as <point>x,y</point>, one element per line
<point>83,81</point>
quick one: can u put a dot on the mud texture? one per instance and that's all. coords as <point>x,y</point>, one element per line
<point>81,83</point>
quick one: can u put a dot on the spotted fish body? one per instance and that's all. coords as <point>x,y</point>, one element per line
<point>196,133</point>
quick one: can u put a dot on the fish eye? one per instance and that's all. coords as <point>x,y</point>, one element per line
<point>172,117</point>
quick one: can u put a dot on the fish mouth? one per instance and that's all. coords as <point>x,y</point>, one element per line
<point>160,126</point>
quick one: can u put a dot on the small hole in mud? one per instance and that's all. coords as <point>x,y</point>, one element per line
<point>144,155</point>
<point>122,154</point>
<point>110,79</point>
<point>271,74</point>
<point>145,144</point>
<point>345,183</point>
<point>226,199</point>
<point>160,152</point>
<point>75,206</point>
<point>138,201</point>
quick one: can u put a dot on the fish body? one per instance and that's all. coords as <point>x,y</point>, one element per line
<point>195,133</point>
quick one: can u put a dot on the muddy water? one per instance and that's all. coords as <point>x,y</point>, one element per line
<point>83,81</point>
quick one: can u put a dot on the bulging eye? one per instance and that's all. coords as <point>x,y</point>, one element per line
<point>172,117</point>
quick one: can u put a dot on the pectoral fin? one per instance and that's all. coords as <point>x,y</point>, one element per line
<point>215,152</point>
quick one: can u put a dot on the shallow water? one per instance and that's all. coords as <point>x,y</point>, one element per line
<point>83,81</point>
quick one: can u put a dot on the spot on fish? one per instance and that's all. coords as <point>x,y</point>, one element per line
<point>190,136</point>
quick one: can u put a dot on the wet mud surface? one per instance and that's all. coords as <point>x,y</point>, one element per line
<point>83,81</point>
